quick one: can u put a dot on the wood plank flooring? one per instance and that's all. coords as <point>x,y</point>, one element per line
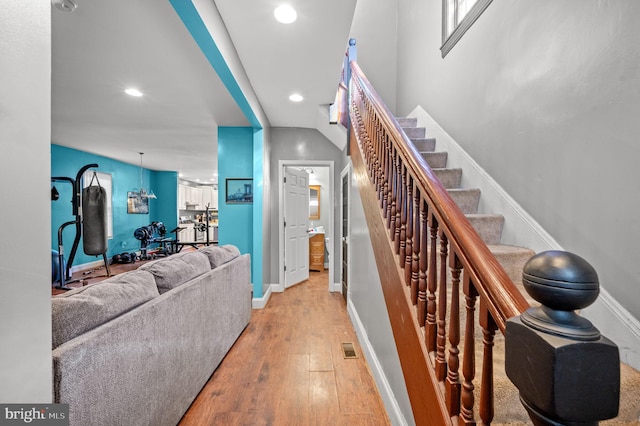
<point>288,368</point>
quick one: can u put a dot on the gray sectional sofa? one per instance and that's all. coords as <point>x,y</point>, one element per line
<point>136,349</point>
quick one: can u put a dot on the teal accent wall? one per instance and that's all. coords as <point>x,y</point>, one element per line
<point>66,162</point>
<point>235,160</point>
<point>192,20</point>
<point>240,153</point>
<point>165,208</point>
<point>258,195</point>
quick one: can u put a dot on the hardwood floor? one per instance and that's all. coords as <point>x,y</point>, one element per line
<point>288,368</point>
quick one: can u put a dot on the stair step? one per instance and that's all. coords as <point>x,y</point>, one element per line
<point>488,226</point>
<point>466,199</point>
<point>424,144</point>
<point>415,132</point>
<point>512,259</point>
<point>407,122</point>
<point>449,178</point>
<point>436,160</point>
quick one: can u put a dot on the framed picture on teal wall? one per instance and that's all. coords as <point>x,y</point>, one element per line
<point>239,191</point>
<point>137,204</point>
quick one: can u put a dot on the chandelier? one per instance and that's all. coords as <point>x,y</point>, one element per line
<point>143,193</point>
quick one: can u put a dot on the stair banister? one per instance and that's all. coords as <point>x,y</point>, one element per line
<point>408,211</point>
<point>503,299</point>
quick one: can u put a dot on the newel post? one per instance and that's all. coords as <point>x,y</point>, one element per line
<point>567,373</point>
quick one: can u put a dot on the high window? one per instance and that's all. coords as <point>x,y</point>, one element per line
<point>457,18</point>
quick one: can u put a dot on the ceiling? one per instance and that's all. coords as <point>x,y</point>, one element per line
<point>103,47</point>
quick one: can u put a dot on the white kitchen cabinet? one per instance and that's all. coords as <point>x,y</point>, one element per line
<point>182,197</point>
<point>214,199</point>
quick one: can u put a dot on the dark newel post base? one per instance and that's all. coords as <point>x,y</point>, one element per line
<point>566,372</point>
<point>539,419</point>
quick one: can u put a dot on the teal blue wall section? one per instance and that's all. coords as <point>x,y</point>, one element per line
<point>125,177</point>
<point>258,196</point>
<point>191,19</point>
<point>164,208</point>
<point>235,160</point>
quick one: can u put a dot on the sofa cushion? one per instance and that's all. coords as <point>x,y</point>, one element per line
<point>175,270</point>
<point>219,255</point>
<point>82,309</point>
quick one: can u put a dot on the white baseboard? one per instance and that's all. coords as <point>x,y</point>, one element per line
<point>336,288</point>
<point>520,228</point>
<point>261,302</point>
<point>618,325</point>
<point>386,393</point>
<point>277,288</point>
<point>613,320</point>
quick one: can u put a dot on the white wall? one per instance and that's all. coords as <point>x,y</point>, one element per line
<point>374,28</point>
<point>373,325</point>
<point>25,164</point>
<point>544,96</point>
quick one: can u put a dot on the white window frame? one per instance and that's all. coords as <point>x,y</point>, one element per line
<point>450,36</point>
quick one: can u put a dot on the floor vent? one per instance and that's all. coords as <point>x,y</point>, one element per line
<point>349,351</point>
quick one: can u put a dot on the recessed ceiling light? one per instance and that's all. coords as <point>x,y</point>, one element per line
<point>296,98</point>
<point>285,14</point>
<point>64,5</point>
<point>133,92</point>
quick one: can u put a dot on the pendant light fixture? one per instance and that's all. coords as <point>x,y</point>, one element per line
<point>143,192</point>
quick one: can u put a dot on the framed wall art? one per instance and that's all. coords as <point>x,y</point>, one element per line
<point>239,191</point>
<point>137,204</point>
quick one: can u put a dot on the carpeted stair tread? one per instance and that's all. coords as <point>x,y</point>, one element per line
<point>449,178</point>
<point>436,160</point>
<point>407,122</point>
<point>488,226</point>
<point>512,259</point>
<point>424,144</point>
<point>415,132</point>
<point>466,199</point>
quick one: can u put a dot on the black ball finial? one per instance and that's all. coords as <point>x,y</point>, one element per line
<point>562,282</point>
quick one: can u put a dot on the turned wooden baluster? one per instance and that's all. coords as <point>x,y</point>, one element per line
<point>441,362</point>
<point>385,176</point>
<point>489,328</point>
<point>422,276</point>
<point>390,213</point>
<point>408,258</point>
<point>415,261</point>
<point>401,234</point>
<point>452,385</point>
<point>399,204</point>
<point>432,287</point>
<point>379,160</point>
<point>468,358</point>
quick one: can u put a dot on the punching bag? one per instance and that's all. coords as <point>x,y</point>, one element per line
<point>94,218</point>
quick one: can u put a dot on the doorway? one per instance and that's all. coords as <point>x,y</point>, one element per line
<point>345,188</point>
<point>320,174</point>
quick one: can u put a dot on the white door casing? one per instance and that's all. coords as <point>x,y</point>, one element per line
<point>296,217</point>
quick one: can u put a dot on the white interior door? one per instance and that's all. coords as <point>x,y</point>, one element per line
<point>296,211</point>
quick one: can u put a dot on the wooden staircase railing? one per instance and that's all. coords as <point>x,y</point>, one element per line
<point>446,293</point>
<point>426,251</point>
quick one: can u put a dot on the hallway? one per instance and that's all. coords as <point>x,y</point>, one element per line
<point>288,368</point>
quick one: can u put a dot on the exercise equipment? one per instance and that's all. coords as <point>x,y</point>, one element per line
<point>93,222</point>
<point>198,227</point>
<point>155,232</point>
<point>124,258</point>
<point>94,215</point>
